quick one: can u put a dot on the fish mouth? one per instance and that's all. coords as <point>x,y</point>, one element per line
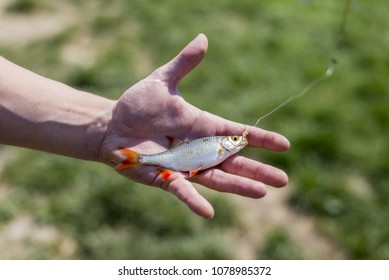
<point>244,142</point>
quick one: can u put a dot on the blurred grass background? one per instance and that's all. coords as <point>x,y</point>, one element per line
<point>260,53</point>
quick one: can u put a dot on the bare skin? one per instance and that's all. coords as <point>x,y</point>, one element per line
<point>42,114</point>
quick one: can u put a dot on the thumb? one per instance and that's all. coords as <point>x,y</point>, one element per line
<point>176,69</point>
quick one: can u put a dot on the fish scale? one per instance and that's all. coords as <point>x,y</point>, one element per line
<point>199,153</point>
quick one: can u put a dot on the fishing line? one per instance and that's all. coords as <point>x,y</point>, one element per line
<point>329,71</point>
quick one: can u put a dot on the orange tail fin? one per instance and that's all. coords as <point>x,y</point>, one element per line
<point>132,159</point>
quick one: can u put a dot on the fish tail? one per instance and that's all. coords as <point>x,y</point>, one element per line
<point>132,159</point>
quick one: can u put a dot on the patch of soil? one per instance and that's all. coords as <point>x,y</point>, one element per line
<point>21,29</point>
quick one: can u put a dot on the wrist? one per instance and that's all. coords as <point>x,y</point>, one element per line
<point>96,129</point>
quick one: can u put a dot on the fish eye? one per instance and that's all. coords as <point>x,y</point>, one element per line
<point>234,138</point>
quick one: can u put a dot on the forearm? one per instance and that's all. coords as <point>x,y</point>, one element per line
<point>42,114</point>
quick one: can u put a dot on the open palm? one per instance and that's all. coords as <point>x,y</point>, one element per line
<point>153,109</point>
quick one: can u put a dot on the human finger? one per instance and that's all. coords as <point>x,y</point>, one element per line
<point>245,167</point>
<point>258,137</point>
<point>184,62</point>
<point>175,183</point>
<point>221,181</point>
<point>187,193</point>
<point>210,124</point>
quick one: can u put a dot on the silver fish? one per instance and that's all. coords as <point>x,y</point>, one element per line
<point>191,156</point>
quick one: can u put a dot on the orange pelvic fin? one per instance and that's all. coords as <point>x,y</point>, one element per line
<point>194,172</point>
<point>132,159</point>
<point>165,173</point>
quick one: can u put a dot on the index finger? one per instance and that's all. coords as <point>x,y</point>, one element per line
<point>257,137</point>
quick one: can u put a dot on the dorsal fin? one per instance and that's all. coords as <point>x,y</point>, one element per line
<point>174,142</point>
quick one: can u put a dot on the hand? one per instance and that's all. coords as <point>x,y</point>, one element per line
<point>153,109</point>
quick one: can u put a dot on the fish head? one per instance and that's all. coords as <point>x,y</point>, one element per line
<point>234,143</point>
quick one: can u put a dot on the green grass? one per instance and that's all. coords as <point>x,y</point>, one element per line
<point>22,6</point>
<point>278,246</point>
<point>260,53</point>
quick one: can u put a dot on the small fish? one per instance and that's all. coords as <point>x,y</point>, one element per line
<point>188,156</point>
